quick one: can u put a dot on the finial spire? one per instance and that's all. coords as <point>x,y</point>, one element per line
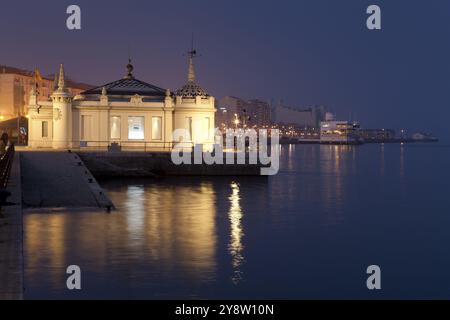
<point>61,81</point>
<point>55,82</point>
<point>191,54</point>
<point>191,71</point>
<point>130,69</point>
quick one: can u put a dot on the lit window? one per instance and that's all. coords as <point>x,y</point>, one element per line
<point>156,128</point>
<point>44,129</point>
<point>189,127</point>
<point>136,128</point>
<point>115,127</point>
<point>207,124</point>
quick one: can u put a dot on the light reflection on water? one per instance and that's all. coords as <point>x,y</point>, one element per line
<point>305,233</point>
<point>235,246</point>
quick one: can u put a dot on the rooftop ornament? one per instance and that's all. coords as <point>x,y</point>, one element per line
<point>130,69</point>
<point>191,89</point>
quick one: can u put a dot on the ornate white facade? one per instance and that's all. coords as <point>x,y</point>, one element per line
<point>129,112</point>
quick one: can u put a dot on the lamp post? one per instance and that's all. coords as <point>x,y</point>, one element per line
<point>244,119</point>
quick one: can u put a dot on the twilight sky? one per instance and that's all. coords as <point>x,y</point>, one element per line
<point>302,51</point>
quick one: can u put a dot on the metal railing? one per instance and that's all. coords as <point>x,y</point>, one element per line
<point>5,166</point>
<point>6,160</point>
<point>130,145</point>
<point>146,146</point>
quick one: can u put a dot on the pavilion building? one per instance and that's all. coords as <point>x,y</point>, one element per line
<point>127,112</point>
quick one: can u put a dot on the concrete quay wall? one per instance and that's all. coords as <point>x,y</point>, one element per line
<point>153,164</point>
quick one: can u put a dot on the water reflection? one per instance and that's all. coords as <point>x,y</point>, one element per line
<point>184,237</point>
<point>157,230</point>
<point>174,223</point>
<point>290,157</point>
<point>235,247</point>
<point>134,202</point>
<point>402,161</point>
<point>402,170</point>
<point>334,167</point>
<point>41,243</point>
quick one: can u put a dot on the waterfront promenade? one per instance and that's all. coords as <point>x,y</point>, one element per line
<point>59,180</point>
<point>44,181</point>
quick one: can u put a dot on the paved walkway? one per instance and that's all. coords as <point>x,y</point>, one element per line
<point>59,180</point>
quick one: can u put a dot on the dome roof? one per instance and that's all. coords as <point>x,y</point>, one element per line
<point>128,86</point>
<point>191,90</point>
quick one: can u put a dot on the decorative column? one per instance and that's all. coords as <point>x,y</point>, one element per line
<point>62,114</point>
<point>168,119</point>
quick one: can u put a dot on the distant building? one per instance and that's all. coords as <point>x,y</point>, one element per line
<point>374,135</point>
<point>420,136</point>
<point>306,117</point>
<point>229,108</point>
<point>250,113</point>
<point>338,132</point>
<point>16,128</point>
<point>15,88</point>
<point>259,112</point>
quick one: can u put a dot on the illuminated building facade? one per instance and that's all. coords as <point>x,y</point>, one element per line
<point>128,113</point>
<point>336,132</point>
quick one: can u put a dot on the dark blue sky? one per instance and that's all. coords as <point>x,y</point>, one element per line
<point>305,52</point>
